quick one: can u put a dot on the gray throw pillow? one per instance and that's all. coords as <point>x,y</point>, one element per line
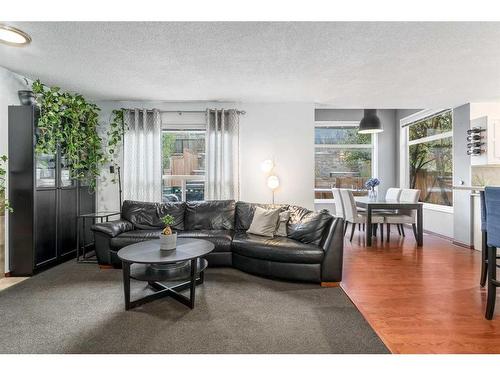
<point>264,222</point>
<point>283,220</point>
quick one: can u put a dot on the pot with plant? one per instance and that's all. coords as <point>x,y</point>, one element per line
<point>168,238</point>
<point>26,97</point>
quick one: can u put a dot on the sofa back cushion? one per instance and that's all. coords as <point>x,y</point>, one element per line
<point>210,215</point>
<point>308,226</point>
<point>147,215</point>
<point>245,211</point>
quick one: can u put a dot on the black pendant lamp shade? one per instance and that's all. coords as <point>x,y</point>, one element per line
<point>370,123</point>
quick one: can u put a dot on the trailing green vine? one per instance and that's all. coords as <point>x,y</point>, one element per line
<point>69,122</point>
<point>4,203</point>
<point>115,134</point>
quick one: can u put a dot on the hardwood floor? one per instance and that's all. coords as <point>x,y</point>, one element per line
<point>421,300</point>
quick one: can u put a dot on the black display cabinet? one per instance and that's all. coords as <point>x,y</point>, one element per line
<point>45,200</point>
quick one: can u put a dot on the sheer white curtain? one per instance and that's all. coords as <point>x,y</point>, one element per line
<point>222,154</point>
<point>142,156</point>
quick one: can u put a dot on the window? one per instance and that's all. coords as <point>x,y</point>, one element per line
<point>183,165</point>
<point>430,158</point>
<point>343,158</point>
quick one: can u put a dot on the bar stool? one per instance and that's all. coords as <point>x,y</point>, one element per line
<point>484,246</point>
<point>492,200</point>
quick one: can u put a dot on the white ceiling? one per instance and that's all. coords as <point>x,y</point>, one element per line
<point>338,64</point>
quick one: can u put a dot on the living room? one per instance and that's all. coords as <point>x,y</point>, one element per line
<point>186,188</point>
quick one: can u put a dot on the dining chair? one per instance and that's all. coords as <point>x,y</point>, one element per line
<point>339,206</point>
<point>353,216</point>
<point>402,216</point>
<point>393,194</point>
<point>492,201</point>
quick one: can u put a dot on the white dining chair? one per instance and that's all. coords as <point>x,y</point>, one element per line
<point>402,217</point>
<point>353,216</point>
<point>393,194</point>
<point>339,205</point>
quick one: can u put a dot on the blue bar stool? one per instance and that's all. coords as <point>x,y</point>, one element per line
<point>484,246</point>
<point>492,199</point>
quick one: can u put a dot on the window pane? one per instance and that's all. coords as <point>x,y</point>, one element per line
<point>183,153</point>
<point>340,135</point>
<point>432,126</point>
<point>342,168</point>
<point>431,168</point>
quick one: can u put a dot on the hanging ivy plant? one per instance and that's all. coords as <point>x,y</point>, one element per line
<point>115,134</point>
<point>69,122</point>
<point>4,203</point>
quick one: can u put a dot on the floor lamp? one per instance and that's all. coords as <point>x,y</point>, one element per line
<point>273,182</point>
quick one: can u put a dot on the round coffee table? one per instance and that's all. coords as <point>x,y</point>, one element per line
<point>145,261</point>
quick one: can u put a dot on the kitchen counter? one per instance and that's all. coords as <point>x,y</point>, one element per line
<point>472,188</point>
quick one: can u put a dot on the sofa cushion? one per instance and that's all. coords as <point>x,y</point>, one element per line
<point>277,249</point>
<point>210,215</point>
<point>264,222</point>
<point>133,236</point>
<point>244,213</point>
<point>220,238</point>
<point>307,226</point>
<point>147,215</point>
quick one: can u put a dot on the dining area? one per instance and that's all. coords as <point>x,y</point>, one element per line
<point>398,208</point>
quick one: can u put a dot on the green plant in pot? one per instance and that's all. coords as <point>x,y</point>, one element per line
<point>4,203</point>
<point>168,238</point>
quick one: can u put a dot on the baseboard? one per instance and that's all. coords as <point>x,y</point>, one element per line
<point>325,284</point>
<point>461,244</point>
<point>105,266</point>
<point>7,274</point>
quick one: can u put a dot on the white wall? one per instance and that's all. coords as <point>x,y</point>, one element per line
<point>10,83</point>
<point>284,131</point>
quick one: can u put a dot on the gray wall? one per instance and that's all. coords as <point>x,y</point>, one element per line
<point>462,204</point>
<point>388,140</point>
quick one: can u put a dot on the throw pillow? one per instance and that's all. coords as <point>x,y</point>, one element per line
<point>283,220</point>
<point>264,222</point>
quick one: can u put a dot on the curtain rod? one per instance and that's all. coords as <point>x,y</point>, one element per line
<point>180,112</point>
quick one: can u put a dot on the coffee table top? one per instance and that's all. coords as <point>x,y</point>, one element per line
<point>148,252</point>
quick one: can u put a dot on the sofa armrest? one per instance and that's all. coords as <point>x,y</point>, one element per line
<point>331,268</point>
<point>113,228</point>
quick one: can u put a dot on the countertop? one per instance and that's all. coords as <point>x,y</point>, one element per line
<point>472,188</point>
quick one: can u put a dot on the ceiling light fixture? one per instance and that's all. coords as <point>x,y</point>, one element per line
<point>370,123</point>
<point>13,37</point>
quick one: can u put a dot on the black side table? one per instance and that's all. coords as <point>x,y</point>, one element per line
<point>81,252</point>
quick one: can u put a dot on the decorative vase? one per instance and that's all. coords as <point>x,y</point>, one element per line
<point>168,242</point>
<point>26,97</point>
<point>372,193</point>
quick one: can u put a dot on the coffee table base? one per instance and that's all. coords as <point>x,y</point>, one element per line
<point>196,278</point>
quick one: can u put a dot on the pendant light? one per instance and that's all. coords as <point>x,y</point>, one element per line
<point>370,123</point>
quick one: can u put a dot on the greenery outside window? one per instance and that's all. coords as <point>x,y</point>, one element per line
<point>430,158</point>
<point>343,158</point>
<point>183,165</point>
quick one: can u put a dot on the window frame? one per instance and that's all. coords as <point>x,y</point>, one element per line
<point>373,146</point>
<point>198,125</point>
<point>405,143</point>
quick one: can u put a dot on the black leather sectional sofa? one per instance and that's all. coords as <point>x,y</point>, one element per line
<point>312,250</point>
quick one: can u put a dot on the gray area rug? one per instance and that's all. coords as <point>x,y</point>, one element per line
<point>78,308</point>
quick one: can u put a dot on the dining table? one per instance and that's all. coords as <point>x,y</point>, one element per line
<point>371,204</point>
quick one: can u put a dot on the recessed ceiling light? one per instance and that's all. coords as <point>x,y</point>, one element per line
<point>13,37</point>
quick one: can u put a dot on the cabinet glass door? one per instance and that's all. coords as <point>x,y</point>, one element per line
<point>45,171</point>
<point>66,180</point>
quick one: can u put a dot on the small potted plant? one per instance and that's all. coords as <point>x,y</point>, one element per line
<point>26,97</point>
<point>371,184</point>
<point>168,238</point>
